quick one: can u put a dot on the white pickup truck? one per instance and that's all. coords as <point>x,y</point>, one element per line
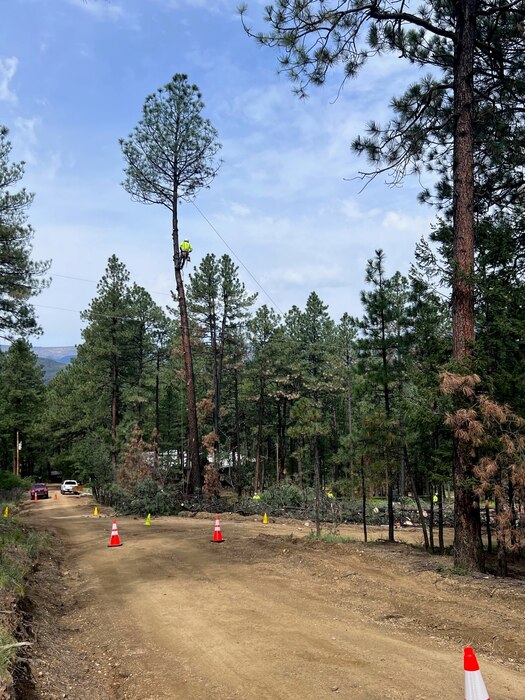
<point>69,486</point>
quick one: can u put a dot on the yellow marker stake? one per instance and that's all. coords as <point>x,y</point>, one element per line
<point>6,512</point>
<point>95,512</point>
<point>265,519</point>
<point>148,520</point>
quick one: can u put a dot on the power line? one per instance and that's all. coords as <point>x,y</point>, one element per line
<point>83,279</point>
<point>238,258</point>
<point>91,313</point>
<point>267,294</point>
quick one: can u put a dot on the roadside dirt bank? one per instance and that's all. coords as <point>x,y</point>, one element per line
<point>264,615</point>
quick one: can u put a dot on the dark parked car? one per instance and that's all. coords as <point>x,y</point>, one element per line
<point>39,491</point>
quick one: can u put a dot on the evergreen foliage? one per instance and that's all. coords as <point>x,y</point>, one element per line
<point>20,276</point>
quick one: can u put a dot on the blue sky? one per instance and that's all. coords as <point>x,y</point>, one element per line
<point>73,78</point>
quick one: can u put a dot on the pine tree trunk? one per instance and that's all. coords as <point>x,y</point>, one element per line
<point>389,500</point>
<point>468,548</point>
<point>317,485</point>
<point>363,488</point>
<point>195,473</point>
<point>487,523</point>
<point>157,392</point>
<point>500,537</point>
<point>349,408</point>
<point>238,472</point>
<point>281,436</point>
<point>441,495</point>
<point>215,378</point>
<point>431,520</point>
<point>411,476</point>
<point>258,456</point>
<point>114,411</point>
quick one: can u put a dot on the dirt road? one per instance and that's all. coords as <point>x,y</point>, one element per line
<point>171,615</point>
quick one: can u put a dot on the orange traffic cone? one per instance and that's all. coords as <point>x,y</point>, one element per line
<point>56,496</point>
<point>36,497</point>
<point>115,539</point>
<point>474,686</point>
<point>217,535</point>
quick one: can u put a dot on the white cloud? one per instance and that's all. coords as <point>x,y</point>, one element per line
<point>100,9</point>
<point>213,6</point>
<point>8,68</point>
<point>26,137</point>
<point>406,223</point>
<point>239,209</point>
<point>352,210</point>
<point>308,274</point>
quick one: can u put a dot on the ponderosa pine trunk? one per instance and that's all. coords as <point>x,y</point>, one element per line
<point>419,507</point>
<point>468,547</point>
<point>114,402</point>
<point>317,486</point>
<point>260,426</point>
<point>195,472</point>
<point>363,495</point>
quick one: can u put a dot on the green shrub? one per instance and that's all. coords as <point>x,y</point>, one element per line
<point>343,488</point>
<point>284,496</point>
<point>19,547</point>
<point>330,538</point>
<point>9,481</point>
<point>146,496</point>
<point>12,571</point>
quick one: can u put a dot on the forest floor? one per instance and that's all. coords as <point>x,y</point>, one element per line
<point>267,614</point>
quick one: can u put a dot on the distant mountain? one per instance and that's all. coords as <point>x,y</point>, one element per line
<point>51,367</point>
<point>63,354</point>
<point>51,359</point>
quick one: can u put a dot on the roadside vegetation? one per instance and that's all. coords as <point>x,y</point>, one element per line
<point>20,547</point>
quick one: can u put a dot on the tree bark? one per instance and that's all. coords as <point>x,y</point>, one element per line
<point>237,450</point>
<point>468,547</point>
<point>487,523</point>
<point>114,403</point>
<point>416,497</point>
<point>363,488</point>
<point>258,456</point>
<point>441,539</point>
<point>317,485</point>
<point>386,394</point>
<point>195,471</point>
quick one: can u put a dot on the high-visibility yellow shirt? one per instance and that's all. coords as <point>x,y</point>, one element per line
<point>186,247</point>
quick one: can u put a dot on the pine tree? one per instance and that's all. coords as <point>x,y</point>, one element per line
<point>103,352</point>
<point>382,351</point>
<point>22,397</point>
<point>170,156</point>
<point>477,48</point>
<point>262,329</point>
<point>20,277</point>
<point>220,301</point>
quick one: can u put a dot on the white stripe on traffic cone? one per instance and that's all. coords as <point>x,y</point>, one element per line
<point>474,686</point>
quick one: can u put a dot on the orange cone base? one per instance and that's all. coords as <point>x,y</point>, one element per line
<point>217,534</point>
<point>115,539</point>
